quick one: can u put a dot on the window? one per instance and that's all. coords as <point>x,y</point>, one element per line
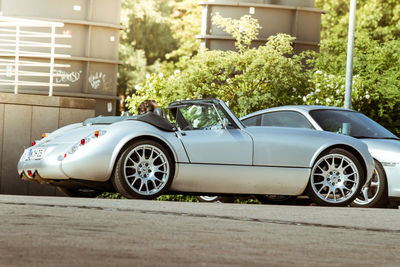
<point>285,119</point>
<point>349,123</point>
<point>196,117</point>
<point>252,121</point>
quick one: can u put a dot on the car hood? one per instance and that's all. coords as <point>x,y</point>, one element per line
<point>384,150</point>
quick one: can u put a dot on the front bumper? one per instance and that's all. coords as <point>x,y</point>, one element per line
<point>393,179</point>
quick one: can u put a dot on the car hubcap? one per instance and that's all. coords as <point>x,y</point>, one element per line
<point>146,169</point>
<point>334,178</point>
<point>209,198</point>
<point>369,193</point>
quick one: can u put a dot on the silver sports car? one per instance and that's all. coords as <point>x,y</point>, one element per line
<point>383,145</point>
<point>199,147</point>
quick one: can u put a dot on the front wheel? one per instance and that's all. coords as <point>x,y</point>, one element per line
<point>374,194</point>
<point>336,178</point>
<point>144,170</point>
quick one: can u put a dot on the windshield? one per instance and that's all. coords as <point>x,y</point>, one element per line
<point>198,116</point>
<point>350,123</point>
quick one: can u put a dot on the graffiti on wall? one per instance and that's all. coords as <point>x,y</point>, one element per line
<point>100,80</point>
<point>64,76</point>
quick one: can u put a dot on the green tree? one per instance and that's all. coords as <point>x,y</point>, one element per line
<point>248,80</point>
<point>155,31</point>
<point>185,25</point>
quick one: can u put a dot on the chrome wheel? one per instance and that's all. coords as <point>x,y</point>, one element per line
<point>335,178</point>
<point>143,170</point>
<point>369,192</point>
<point>374,194</point>
<point>207,198</point>
<point>146,169</point>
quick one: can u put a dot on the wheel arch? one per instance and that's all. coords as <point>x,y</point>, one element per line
<point>129,142</point>
<point>350,149</point>
<point>384,173</point>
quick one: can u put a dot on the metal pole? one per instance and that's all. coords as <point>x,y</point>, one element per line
<point>52,52</point>
<point>350,48</point>
<point>16,71</point>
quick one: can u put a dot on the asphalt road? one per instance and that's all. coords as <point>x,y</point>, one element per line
<point>56,231</point>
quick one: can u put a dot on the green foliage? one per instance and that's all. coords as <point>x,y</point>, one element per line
<point>184,198</point>
<point>247,201</point>
<point>380,19</point>
<point>181,198</point>
<point>185,25</point>
<point>155,31</point>
<point>244,30</point>
<point>376,80</point>
<point>248,80</point>
<point>111,195</point>
<point>147,26</point>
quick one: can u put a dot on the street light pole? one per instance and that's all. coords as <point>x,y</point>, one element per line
<point>350,48</point>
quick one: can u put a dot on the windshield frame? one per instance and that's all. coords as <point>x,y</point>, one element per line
<point>174,110</point>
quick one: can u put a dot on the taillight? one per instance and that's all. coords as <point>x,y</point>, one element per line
<point>30,173</point>
<point>83,142</point>
<point>33,143</point>
<point>43,135</point>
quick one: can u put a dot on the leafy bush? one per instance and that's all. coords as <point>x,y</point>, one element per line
<point>248,79</point>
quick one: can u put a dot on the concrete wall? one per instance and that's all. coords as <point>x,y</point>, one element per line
<point>94,26</point>
<point>23,119</point>
<point>297,18</point>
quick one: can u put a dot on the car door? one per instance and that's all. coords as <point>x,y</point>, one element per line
<point>208,141</point>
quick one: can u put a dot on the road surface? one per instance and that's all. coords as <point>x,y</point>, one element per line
<point>57,231</point>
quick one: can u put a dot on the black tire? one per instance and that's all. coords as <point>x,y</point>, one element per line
<point>144,170</point>
<point>82,192</point>
<point>376,195</point>
<point>211,199</point>
<point>336,178</point>
<point>276,199</point>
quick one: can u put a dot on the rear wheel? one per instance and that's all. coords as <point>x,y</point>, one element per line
<point>374,195</point>
<point>144,170</point>
<point>336,178</point>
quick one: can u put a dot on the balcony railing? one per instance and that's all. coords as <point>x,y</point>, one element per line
<point>28,53</point>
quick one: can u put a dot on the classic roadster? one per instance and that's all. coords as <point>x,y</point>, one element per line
<point>198,147</point>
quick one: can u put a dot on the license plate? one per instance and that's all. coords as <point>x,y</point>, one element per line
<point>36,153</point>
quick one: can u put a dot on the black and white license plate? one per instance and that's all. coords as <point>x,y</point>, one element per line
<point>36,153</point>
